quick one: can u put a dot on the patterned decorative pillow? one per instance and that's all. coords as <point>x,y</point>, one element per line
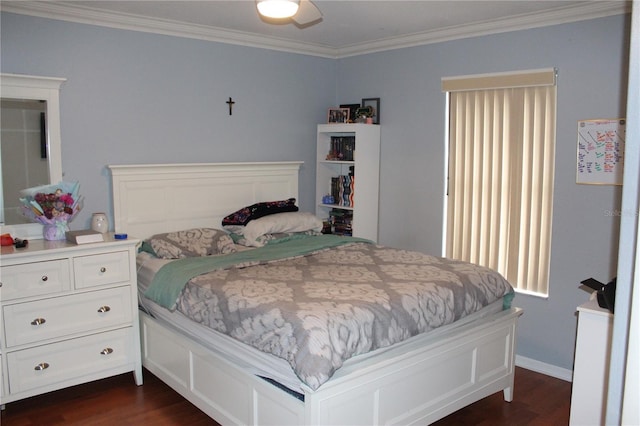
<point>258,210</point>
<point>191,243</point>
<point>276,238</point>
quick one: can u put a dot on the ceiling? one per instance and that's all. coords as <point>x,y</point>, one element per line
<point>348,27</point>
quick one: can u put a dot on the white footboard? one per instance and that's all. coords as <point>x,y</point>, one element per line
<point>417,387</point>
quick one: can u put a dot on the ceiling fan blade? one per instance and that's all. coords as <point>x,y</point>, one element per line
<point>308,13</point>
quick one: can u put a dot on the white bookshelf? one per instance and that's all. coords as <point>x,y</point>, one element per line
<point>366,166</point>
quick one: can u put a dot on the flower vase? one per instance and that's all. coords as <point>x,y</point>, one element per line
<point>55,231</point>
<point>100,223</point>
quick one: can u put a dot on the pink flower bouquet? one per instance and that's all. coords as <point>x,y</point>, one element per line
<point>54,206</point>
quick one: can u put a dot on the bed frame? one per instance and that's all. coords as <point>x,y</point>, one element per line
<point>417,386</point>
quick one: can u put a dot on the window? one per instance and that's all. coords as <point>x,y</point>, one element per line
<point>500,173</point>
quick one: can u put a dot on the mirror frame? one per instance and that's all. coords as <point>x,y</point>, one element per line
<point>18,86</point>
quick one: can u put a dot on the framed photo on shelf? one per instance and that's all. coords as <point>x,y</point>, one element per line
<point>338,115</point>
<point>352,111</point>
<point>374,103</point>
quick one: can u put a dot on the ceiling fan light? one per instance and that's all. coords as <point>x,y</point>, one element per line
<point>278,8</point>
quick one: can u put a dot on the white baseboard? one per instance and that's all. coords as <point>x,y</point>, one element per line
<point>544,368</point>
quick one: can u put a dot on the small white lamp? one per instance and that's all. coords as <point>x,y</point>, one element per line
<point>278,9</point>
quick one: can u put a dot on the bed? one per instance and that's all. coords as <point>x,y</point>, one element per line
<point>416,382</point>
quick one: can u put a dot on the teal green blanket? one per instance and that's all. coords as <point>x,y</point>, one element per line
<point>171,278</point>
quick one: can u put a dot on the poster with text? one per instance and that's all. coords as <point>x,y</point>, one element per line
<point>601,151</point>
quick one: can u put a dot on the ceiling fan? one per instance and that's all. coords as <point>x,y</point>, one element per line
<point>302,12</point>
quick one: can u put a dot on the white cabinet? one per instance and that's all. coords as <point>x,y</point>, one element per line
<point>591,365</point>
<point>348,168</point>
<point>69,315</point>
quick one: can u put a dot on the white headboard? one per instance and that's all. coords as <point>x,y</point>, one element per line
<point>155,198</point>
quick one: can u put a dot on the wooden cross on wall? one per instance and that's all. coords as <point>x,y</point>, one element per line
<point>230,102</point>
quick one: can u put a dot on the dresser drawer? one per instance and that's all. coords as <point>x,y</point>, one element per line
<point>34,279</point>
<point>45,319</point>
<point>68,360</point>
<point>101,269</point>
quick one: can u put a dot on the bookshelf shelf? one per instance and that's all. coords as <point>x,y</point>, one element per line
<point>348,168</point>
<point>334,206</point>
<point>338,162</point>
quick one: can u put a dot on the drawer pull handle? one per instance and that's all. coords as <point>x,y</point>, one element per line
<point>41,366</point>
<point>106,351</point>
<point>103,269</point>
<point>38,321</point>
<point>103,309</point>
<point>44,278</point>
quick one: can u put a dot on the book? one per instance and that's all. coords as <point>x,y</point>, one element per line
<point>84,236</point>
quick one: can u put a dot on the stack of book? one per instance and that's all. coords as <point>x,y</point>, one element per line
<point>341,222</point>
<point>342,148</point>
<point>342,189</point>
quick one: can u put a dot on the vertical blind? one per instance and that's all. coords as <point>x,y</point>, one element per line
<point>501,173</point>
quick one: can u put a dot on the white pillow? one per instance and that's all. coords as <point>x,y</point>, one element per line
<point>280,222</point>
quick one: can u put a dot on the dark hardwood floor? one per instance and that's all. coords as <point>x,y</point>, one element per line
<point>538,400</point>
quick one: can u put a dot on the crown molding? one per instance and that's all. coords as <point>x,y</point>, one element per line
<point>124,21</point>
<point>92,16</point>
<point>582,12</point>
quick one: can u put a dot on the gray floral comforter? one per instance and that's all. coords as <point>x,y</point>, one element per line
<point>318,310</point>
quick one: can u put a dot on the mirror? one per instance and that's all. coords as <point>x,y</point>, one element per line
<point>30,147</point>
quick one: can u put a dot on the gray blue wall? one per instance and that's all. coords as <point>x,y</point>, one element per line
<point>136,98</point>
<point>591,58</point>
<point>142,98</point>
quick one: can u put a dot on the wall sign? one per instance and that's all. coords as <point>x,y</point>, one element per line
<point>601,151</point>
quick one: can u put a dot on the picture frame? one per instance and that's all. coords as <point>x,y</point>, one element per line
<point>352,111</point>
<point>338,115</point>
<point>374,103</point>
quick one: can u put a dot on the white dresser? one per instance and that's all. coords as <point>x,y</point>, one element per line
<point>69,315</point>
<point>591,365</point>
